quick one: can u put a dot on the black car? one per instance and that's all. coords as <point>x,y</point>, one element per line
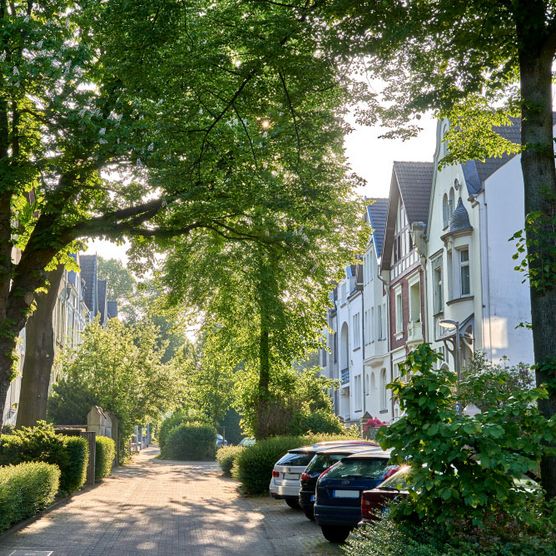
<point>339,488</point>
<point>322,460</point>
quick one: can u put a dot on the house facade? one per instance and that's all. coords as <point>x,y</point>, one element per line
<point>438,268</point>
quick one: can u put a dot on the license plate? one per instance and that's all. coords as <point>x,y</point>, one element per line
<point>312,499</point>
<point>346,493</point>
<point>291,476</point>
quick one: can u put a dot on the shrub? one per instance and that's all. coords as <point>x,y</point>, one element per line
<point>25,489</point>
<point>226,457</point>
<point>104,459</point>
<point>390,538</point>
<point>191,441</point>
<point>319,421</point>
<point>41,443</point>
<point>176,419</point>
<point>253,466</point>
<point>74,464</point>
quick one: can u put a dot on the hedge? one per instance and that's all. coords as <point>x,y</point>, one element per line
<point>41,443</point>
<point>104,459</point>
<point>25,489</point>
<point>190,441</point>
<point>226,457</point>
<point>253,466</point>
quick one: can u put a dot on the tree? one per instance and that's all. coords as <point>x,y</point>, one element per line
<point>119,367</point>
<point>173,133</point>
<point>39,354</point>
<point>476,62</point>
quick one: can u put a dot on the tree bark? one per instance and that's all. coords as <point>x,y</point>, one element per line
<point>39,354</point>
<point>539,175</point>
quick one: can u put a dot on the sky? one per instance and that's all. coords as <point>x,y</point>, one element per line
<point>369,156</point>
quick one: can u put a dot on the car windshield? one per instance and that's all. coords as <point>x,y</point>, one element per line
<point>323,461</point>
<point>398,481</point>
<point>295,458</point>
<point>356,468</point>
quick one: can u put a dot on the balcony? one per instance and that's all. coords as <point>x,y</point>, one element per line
<point>414,332</point>
<point>344,376</point>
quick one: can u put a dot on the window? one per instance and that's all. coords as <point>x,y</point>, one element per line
<point>445,211</point>
<point>399,311</point>
<point>437,297</point>
<point>371,324</point>
<point>357,392</point>
<point>451,203</point>
<point>380,328</point>
<point>415,302</point>
<point>368,323</point>
<point>356,331</point>
<point>465,283</point>
<point>383,393</point>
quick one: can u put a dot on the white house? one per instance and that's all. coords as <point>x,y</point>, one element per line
<point>376,358</point>
<point>471,282</point>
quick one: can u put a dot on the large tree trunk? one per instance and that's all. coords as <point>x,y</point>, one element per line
<point>536,53</point>
<point>39,354</point>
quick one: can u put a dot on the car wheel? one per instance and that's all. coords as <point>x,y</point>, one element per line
<point>292,503</point>
<point>335,534</point>
<point>309,513</point>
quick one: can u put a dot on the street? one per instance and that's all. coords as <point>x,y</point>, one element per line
<point>168,508</point>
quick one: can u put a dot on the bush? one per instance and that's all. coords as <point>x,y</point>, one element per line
<point>172,422</point>
<point>226,457</point>
<point>41,443</point>
<point>74,464</point>
<point>253,466</point>
<point>25,489</point>
<point>390,538</point>
<point>104,459</point>
<point>319,421</point>
<point>190,441</point>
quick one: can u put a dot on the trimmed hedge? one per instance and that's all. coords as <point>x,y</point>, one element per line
<point>253,466</point>
<point>104,459</point>
<point>26,489</point>
<point>41,443</point>
<point>226,457</point>
<point>190,441</point>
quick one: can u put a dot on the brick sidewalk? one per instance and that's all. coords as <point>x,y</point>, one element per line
<point>168,508</point>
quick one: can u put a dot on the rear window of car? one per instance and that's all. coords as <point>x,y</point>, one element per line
<point>359,468</point>
<point>398,481</point>
<point>323,461</point>
<point>296,458</point>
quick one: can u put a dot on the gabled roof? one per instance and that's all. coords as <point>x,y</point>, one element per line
<point>415,182</point>
<point>377,213</point>
<point>412,183</point>
<point>88,267</point>
<point>476,172</point>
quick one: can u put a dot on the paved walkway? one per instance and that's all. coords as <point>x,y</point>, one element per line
<point>166,508</point>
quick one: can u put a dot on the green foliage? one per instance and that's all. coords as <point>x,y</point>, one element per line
<point>177,418</point>
<point>25,489</point>
<point>74,465</point>
<point>70,402</point>
<point>464,469</point>
<point>120,368</point>
<point>104,457</point>
<point>230,427</point>
<point>388,537</point>
<point>253,466</point>
<point>121,286</point>
<point>41,443</point>
<point>226,457</point>
<point>190,442</point>
<point>489,385</point>
<point>300,402</point>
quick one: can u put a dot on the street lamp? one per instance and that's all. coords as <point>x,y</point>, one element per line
<point>449,324</point>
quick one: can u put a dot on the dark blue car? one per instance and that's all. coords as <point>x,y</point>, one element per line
<point>338,492</point>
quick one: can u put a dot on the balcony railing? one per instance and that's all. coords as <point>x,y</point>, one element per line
<point>344,376</point>
<point>414,331</point>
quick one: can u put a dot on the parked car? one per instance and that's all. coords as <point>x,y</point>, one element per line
<point>220,441</point>
<point>246,442</point>
<point>322,460</point>
<point>339,488</point>
<point>374,503</point>
<point>284,483</point>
